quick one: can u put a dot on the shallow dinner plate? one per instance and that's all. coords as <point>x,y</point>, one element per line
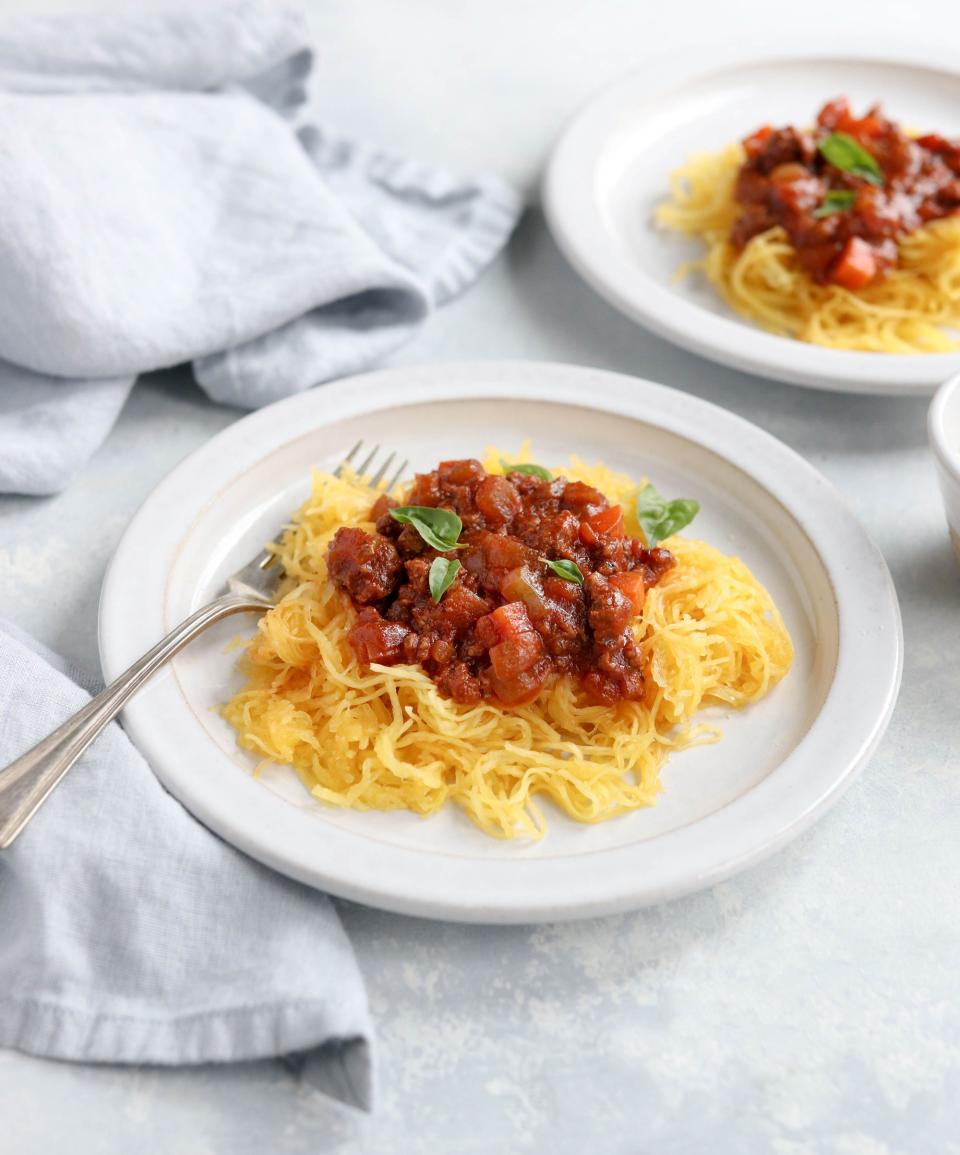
<point>611,166</point>
<point>779,765</point>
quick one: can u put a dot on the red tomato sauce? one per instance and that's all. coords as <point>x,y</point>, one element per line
<point>787,180</point>
<point>508,622</point>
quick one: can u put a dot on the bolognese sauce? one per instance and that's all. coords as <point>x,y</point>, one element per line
<point>508,620</point>
<point>845,191</point>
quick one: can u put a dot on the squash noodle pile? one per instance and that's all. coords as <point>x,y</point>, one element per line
<point>383,738</point>
<point>914,309</point>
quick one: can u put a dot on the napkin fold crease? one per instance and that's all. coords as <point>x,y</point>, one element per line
<point>163,205</point>
<point>131,934</point>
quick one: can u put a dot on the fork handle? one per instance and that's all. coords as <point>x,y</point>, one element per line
<point>27,782</point>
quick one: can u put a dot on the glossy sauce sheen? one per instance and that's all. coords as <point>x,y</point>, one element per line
<point>507,623</point>
<point>785,179</point>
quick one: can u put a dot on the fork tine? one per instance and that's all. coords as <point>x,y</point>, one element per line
<point>350,456</point>
<point>378,476</point>
<point>246,578</point>
<point>399,473</point>
<point>367,461</point>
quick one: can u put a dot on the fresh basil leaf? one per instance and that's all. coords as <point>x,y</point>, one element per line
<point>568,570</point>
<point>443,573</point>
<point>660,518</point>
<point>528,467</point>
<point>438,527</point>
<point>846,154</point>
<point>837,200</point>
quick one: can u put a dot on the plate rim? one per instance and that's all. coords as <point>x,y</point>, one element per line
<point>852,563</point>
<point>578,229</point>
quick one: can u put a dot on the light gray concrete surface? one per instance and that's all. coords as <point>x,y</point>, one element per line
<point>809,1005</point>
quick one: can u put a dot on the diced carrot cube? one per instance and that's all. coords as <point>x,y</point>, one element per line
<point>856,266</point>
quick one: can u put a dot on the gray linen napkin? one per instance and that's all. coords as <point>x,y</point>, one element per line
<point>160,206</point>
<point>131,934</point>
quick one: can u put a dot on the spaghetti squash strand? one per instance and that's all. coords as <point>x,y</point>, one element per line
<point>384,738</point>
<point>914,309</point>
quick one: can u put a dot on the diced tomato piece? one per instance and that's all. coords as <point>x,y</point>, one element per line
<point>462,607</point>
<point>517,655</point>
<point>460,472</point>
<point>856,266</point>
<point>935,142</point>
<point>868,126</point>
<point>425,489</point>
<point>789,172</point>
<point>510,621</point>
<point>497,500</point>
<point>608,521</point>
<point>633,585</point>
<point>501,552</point>
<point>562,533</point>
<point>582,499</point>
<point>376,640</point>
<point>521,689</point>
<point>836,115</point>
<point>753,144</point>
<point>381,507</point>
<point>828,116</point>
<point>560,590</point>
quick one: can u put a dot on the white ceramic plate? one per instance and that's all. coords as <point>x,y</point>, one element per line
<point>779,765</point>
<point>610,169</point>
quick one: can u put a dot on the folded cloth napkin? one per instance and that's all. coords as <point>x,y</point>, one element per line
<point>160,206</point>
<point>130,934</point>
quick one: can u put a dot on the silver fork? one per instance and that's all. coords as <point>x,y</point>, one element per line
<point>27,782</point>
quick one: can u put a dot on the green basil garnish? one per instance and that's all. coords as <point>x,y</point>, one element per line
<point>844,153</point>
<point>660,518</point>
<point>443,573</point>
<point>438,527</point>
<point>529,468</point>
<point>568,570</point>
<point>837,200</point>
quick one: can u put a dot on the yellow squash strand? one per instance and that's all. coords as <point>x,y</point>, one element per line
<point>914,309</point>
<point>384,738</point>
